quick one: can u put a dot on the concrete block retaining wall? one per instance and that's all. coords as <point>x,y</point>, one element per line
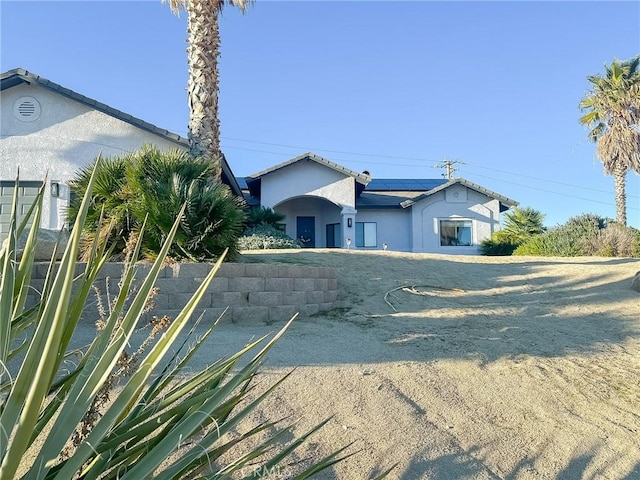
<point>252,292</point>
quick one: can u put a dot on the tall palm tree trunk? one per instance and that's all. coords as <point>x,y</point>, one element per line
<point>202,53</point>
<point>620,184</point>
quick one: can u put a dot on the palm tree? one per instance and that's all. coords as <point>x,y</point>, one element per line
<point>521,224</point>
<point>613,117</point>
<point>151,186</point>
<point>202,57</point>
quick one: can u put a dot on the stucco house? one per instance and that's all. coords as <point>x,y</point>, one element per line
<point>328,205</point>
<point>50,131</point>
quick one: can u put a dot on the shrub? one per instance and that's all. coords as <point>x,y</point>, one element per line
<point>263,216</point>
<point>496,246</point>
<point>43,406</point>
<point>615,240</point>
<point>585,225</point>
<point>553,243</point>
<point>520,225</point>
<point>568,240</point>
<point>266,237</point>
<point>154,185</point>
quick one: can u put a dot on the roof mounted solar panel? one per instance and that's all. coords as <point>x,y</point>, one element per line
<point>405,184</point>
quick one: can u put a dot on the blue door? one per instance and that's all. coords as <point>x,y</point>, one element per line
<point>306,231</point>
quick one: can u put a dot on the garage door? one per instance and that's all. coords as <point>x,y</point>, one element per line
<point>27,192</point>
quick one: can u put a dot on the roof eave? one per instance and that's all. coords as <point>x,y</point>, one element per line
<point>505,202</point>
<point>361,178</point>
<point>18,76</point>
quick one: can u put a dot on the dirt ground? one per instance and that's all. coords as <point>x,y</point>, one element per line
<point>489,368</point>
<point>460,367</point>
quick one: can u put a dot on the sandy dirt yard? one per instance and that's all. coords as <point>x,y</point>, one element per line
<point>490,368</point>
<point>460,367</point>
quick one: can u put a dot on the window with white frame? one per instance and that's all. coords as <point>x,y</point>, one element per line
<point>456,233</point>
<point>366,234</point>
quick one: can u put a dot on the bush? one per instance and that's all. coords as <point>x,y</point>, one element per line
<point>585,225</point>
<point>57,423</point>
<point>520,225</point>
<point>496,246</point>
<point>153,185</point>
<point>553,243</point>
<point>568,240</point>
<point>263,216</point>
<point>266,237</point>
<point>615,240</point>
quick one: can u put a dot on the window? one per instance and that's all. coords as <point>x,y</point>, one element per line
<point>366,234</point>
<point>455,233</point>
<point>333,235</point>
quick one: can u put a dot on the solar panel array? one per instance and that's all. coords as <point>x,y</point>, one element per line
<point>407,184</point>
<point>388,184</point>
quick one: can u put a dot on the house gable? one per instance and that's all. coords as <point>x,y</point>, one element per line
<point>307,179</point>
<point>457,202</point>
<point>70,130</point>
<point>456,192</point>
<point>306,175</point>
<point>21,77</point>
<point>50,131</point>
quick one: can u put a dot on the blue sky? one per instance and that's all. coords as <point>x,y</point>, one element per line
<point>394,88</point>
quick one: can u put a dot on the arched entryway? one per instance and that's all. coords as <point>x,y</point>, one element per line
<point>315,221</point>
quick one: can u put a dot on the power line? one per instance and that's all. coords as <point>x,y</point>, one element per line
<point>558,193</point>
<point>448,165</point>
<point>465,163</point>
<point>313,149</point>
<point>396,157</point>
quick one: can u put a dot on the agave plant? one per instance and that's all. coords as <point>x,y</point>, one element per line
<point>156,411</point>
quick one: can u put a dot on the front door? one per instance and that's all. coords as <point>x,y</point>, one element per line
<point>306,231</point>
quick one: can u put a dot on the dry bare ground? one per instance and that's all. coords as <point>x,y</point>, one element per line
<point>490,368</point>
<point>504,367</point>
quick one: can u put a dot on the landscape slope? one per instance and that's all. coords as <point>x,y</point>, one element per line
<point>459,367</point>
<point>482,367</point>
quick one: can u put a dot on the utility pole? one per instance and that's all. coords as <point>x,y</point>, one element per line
<point>449,166</point>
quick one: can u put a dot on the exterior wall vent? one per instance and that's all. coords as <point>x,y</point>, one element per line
<point>27,109</point>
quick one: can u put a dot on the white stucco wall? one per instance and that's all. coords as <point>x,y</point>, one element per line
<point>393,227</point>
<point>460,203</point>
<point>307,179</point>
<point>67,135</point>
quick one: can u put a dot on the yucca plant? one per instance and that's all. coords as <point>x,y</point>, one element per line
<point>154,413</point>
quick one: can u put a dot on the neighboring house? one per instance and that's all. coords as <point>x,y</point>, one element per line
<point>328,205</point>
<point>50,131</point>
